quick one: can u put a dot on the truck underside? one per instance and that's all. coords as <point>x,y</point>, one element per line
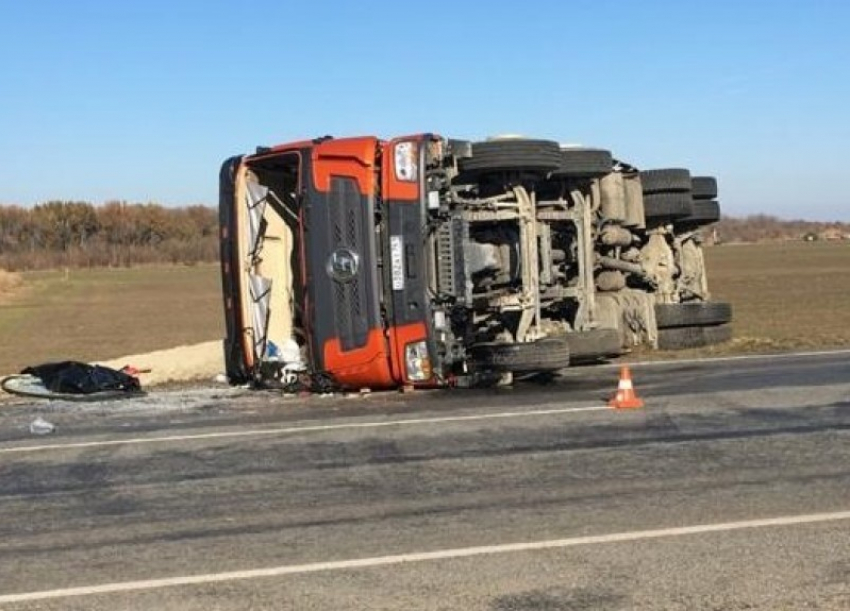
<point>519,257</point>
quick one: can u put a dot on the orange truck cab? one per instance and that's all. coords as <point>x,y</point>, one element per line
<point>339,224</point>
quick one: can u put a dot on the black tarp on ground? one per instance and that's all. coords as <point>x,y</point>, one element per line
<point>81,378</point>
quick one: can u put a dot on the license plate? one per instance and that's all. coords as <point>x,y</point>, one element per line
<point>397,262</point>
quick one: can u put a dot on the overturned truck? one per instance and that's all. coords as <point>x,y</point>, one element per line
<point>430,262</point>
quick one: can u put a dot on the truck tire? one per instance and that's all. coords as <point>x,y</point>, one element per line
<point>584,163</point>
<point>692,314</point>
<point>703,187</point>
<point>705,212</point>
<point>594,345</point>
<point>670,180</point>
<point>667,206</point>
<point>507,155</point>
<point>549,354</point>
<point>680,338</point>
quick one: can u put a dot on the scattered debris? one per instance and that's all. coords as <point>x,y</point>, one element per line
<point>130,370</point>
<point>40,426</point>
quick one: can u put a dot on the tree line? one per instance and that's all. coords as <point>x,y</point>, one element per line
<point>766,228</point>
<point>118,234</point>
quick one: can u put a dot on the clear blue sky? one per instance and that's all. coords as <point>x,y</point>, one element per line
<point>142,101</point>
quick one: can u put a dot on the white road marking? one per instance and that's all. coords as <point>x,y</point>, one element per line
<point>723,359</point>
<point>304,429</point>
<point>446,554</point>
<point>409,422</point>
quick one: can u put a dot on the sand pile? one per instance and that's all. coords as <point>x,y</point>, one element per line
<point>201,362</point>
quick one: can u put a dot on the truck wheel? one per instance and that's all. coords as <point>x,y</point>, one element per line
<point>549,354</point>
<point>584,163</point>
<point>703,187</point>
<point>667,206</point>
<point>679,338</point>
<point>671,180</point>
<point>705,212</point>
<point>692,314</point>
<point>506,155</point>
<point>594,345</point>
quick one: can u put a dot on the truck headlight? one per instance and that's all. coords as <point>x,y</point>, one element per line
<point>406,161</point>
<point>417,361</point>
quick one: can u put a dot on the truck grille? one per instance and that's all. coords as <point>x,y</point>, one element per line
<point>350,307</point>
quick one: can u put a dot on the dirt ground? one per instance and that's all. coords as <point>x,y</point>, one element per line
<point>10,283</point>
<point>104,314</point>
<point>786,296</point>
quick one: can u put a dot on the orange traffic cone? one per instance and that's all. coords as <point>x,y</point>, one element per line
<point>625,397</point>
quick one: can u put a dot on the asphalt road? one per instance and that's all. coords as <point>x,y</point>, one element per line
<point>730,490</point>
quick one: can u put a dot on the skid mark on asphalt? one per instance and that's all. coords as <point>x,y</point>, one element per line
<point>446,554</point>
<point>292,430</point>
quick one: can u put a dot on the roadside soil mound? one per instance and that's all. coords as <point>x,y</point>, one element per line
<point>197,362</point>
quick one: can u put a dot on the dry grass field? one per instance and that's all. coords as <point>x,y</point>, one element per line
<point>9,283</point>
<point>785,296</point>
<point>104,313</point>
<point>794,295</point>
